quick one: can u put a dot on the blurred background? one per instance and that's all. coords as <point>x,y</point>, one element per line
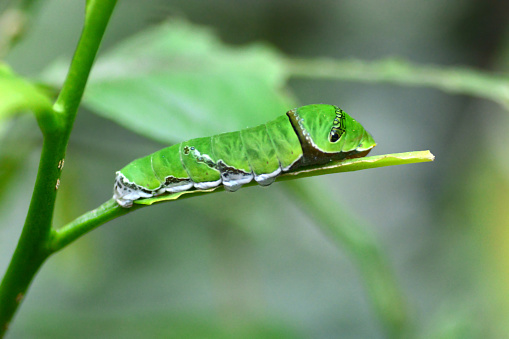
<point>255,264</point>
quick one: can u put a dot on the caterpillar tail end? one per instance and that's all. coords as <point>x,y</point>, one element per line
<point>119,192</point>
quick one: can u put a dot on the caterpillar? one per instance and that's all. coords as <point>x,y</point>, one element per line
<point>306,136</point>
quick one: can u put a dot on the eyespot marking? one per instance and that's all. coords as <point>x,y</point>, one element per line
<point>338,126</point>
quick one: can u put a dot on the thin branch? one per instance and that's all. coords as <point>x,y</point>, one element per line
<point>97,16</point>
<point>452,80</point>
<point>86,223</point>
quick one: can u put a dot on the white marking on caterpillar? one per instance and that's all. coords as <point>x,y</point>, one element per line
<point>233,178</point>
<point>267,178</point>
<point>58,184</point>
<point>60,165</point>
<point>124,191</point>
<point>175,187</point>
<point>207,184</point>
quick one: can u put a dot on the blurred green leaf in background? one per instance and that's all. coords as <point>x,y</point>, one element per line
<point>176,81</point>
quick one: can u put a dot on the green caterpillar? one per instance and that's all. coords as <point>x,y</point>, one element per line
<point>306,136</point>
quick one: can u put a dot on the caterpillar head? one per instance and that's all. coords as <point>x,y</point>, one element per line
<point>330,130</point>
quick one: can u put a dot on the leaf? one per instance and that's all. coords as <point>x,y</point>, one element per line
<point>16,140</point>
<point>339,166</point>
<point>18,94</point>
<point>177,81</point>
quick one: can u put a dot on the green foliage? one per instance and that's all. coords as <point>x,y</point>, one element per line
<point>17,95</point>
<point>177,81</point>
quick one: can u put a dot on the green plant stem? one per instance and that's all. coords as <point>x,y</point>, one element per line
<point>87,222</point>
<point>452,80</point>
<point>31,251</point>
<point>350,235</point>
<point>32,248</point>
